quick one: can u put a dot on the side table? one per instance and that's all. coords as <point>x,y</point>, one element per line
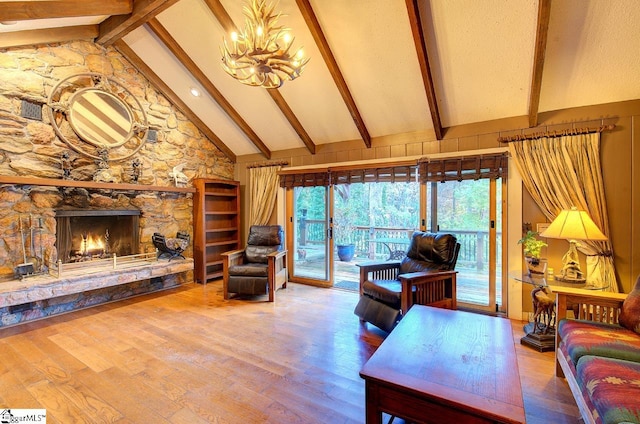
<point>541,333</point>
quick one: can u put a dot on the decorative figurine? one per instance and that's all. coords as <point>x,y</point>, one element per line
<point>102,174</point>
<point>65,164</point>
<point>178,177</point>
<point>136,170</point>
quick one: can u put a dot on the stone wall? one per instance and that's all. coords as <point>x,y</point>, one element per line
<point>30,148</point>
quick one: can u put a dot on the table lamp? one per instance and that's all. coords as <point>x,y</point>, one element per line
<point>572,225</point>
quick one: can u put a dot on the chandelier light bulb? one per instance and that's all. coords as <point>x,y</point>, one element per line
<point>261,54</point>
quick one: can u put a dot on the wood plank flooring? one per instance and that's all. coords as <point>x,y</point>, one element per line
<point>188,356</point>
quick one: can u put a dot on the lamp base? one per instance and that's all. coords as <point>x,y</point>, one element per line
<point>542,342</point>
<point>570,280</point>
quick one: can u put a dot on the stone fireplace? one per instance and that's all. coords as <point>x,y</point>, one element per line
<point>86,234</point>
<point>34,185</point>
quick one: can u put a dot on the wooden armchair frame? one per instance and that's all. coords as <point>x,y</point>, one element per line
<point>586,305</point>
<point>276,265</point>
<point>437,288</point>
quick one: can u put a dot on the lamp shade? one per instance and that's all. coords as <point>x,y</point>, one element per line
<point>573,225</point>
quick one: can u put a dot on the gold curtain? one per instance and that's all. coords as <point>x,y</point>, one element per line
<point>562,172</point>
<point>263,188</point>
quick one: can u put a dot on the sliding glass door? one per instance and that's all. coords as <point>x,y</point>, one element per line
<point>373,210</point>
<point>471,210</point>
<point>308,227</point>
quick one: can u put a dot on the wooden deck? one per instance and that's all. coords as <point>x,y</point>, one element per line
<point>188,356</point>
<point>472,284</point>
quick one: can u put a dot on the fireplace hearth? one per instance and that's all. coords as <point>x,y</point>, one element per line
<point>86,234</point>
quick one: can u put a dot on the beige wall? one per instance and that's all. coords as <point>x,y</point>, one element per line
<point>620,156</point>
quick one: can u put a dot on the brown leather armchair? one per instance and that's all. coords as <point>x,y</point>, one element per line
<point>259,269</point>
<point>425,276</point>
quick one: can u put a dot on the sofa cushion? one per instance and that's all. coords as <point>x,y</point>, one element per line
<point>630,312</point>
<point>581,338</point>
<point>613,387</point>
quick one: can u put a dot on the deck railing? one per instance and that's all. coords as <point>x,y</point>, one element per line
<point>474,245</point>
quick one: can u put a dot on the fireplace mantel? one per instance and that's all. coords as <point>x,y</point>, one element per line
<point>14,179</point>
<point>32,289</point>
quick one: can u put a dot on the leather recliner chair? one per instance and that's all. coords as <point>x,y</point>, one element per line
<point>425,276</point>
<point>259,269</point>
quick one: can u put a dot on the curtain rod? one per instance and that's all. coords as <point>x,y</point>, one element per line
<point>574,131</point>
<point>264,164</point>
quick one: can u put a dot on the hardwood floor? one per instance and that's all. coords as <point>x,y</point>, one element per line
<point>188,356</point>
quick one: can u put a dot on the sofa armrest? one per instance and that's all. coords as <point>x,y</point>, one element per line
<point>277,268</point>
<point>428,288</point>
<point>229,259</point>
<point>588,304</point>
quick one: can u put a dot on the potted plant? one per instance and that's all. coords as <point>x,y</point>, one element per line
<point>344,238</point>
<point>344,233</point>
<point>532,250</point>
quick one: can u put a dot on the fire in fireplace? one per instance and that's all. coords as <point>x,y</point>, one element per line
<point>83,234</point>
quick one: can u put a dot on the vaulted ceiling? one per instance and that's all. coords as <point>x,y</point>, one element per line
<point>378,67</point>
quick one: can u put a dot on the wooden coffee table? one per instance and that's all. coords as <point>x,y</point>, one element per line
<point>443,366</point>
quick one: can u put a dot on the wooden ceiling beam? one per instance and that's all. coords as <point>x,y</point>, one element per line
<point>116,27</point>
<point>50,35</point>
<point>157,82</point>
<point>542,30</point>
<point>164,36</point>
<point>321,41</point>
<point>293,120</point>
<point>423,59</point>
<point>229,26</point>
<point>50,9</point>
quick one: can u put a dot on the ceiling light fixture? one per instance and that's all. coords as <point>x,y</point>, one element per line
<point>194,92</point>
<point>259,55</point>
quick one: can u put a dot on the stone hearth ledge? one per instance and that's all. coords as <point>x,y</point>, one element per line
<point>40,287</point>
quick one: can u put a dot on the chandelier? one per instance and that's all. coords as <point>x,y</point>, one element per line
<point>260,54</point>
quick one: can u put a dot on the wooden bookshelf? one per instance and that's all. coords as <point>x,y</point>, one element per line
<point>216,214</point>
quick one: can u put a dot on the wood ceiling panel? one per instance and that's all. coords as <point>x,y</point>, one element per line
<point>481,58</point>
<point>592,54</point>
<point>200,36</point>
<point>373,46</point>
<point>487,62</point>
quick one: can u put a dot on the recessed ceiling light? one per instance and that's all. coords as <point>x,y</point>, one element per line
<point>195,92</point>
<point>8,22</point>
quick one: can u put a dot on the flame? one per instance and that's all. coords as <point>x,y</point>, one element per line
<point>92,243</point>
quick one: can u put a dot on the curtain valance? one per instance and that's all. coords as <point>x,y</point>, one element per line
<point>387,174</point>
<point>300,178</point>
<point>463,168</point>
<point>474,167</point>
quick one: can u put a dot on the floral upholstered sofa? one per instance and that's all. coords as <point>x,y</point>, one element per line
<point>599,352</point>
